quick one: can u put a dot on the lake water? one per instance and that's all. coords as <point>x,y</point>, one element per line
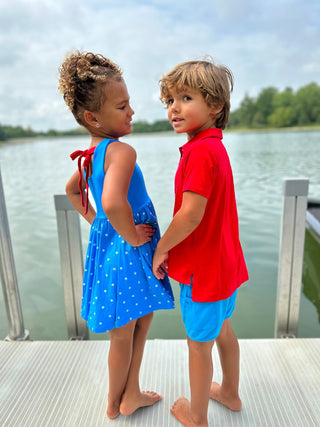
<point>33,171</point>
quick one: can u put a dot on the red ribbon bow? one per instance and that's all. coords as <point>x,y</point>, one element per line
<point>87,155</point>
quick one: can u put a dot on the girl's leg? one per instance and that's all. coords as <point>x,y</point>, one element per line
<point>195,413</point>
<point>228,392</point>
<point>133,398</point>
<point>120,355</point>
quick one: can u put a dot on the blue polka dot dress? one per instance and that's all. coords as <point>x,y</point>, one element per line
<point>118,283</point>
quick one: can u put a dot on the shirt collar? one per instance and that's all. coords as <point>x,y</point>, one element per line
<point>207,133</point>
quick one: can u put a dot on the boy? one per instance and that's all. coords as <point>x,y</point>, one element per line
<point>201,247</point>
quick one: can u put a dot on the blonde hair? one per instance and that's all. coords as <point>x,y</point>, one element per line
<point>83,77</point>
<point>215,82</point>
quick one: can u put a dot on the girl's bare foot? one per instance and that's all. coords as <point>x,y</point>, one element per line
<point>113,409</point>
<point>181,411</point>
<point>231,402</point>
<point>130,404</point>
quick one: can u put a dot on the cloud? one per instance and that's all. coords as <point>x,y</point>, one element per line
<point>264,43</point>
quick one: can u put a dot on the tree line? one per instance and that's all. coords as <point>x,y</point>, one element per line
<point>274,109</point>
<point>270,109</point>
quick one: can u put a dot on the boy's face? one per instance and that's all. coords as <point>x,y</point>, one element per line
<point>189,113</point>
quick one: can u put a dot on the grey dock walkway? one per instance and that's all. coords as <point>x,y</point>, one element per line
<point>64,383</point>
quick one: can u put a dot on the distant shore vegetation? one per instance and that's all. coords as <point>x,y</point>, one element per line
<point>271,109</point>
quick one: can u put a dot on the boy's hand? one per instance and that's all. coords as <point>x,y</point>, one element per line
<point>160,263</point>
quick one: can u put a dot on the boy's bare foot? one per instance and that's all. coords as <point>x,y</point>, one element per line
<point>231,402</point>
<point>130,404</point>
<point>113,410</point>
<point>181,411</point>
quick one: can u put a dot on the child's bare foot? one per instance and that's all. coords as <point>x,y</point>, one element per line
<point>181,411</point>
<point>231,402</point>
<point>129,404</point>
<point>113,409</point>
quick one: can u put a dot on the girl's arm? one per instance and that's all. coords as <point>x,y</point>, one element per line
<point>73,192</point>
<point>185,221</point>
<point>119,167</point>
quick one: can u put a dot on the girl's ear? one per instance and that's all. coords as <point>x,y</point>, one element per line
<point>90,118</point>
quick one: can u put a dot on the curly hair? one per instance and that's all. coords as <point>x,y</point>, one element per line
<point>83,77</point>
<point>215,82</point>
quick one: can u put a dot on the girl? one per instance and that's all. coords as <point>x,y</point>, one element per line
<point>120,292</point>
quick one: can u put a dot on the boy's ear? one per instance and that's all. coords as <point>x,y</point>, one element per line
<point>90,118</point>
<point>217,109</point>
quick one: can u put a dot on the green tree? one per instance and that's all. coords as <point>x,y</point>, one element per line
<point>282,117</point>
<point>307,104</point>
<point>246,111</point>
<point>264,106</point>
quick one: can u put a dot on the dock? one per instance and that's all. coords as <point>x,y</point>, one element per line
<point>65,383</point>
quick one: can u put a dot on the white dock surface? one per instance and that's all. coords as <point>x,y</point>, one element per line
<point>65,383</point>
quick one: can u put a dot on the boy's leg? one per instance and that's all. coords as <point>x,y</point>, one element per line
<point>133,398</point>
<point>195,413</point>
<point>228,392</point>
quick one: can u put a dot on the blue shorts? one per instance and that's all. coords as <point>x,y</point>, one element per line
<point>203,320</point>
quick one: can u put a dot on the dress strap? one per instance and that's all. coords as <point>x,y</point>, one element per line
<point>87,156</point>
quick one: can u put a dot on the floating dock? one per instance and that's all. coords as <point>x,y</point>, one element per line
<point>65,383</point>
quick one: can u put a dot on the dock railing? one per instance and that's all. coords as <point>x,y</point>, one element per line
<point>71,258</point>
<point>292,238</point>
<point>8,276</point>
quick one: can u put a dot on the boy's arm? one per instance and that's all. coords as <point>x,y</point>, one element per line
<point>73,192</point>
<point>185,221</point>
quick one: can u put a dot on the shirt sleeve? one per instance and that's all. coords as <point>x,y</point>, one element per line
<point>199,171</point>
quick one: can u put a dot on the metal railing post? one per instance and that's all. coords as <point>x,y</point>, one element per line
<point>291,257</point>
<point>9,277</point>
<point>69,235</point>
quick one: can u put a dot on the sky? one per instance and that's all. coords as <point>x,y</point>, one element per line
<point>264,43</point>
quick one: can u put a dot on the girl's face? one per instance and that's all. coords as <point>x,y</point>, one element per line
<point>115,114</point>
<point>188,112</point>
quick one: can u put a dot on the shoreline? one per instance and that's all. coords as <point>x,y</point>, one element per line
<point>225,131</point>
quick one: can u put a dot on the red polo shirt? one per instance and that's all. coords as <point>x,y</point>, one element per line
<point>212,253</point>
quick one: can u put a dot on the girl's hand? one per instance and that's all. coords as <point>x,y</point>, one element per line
<point>160,263</point>
<point>144,234</point>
